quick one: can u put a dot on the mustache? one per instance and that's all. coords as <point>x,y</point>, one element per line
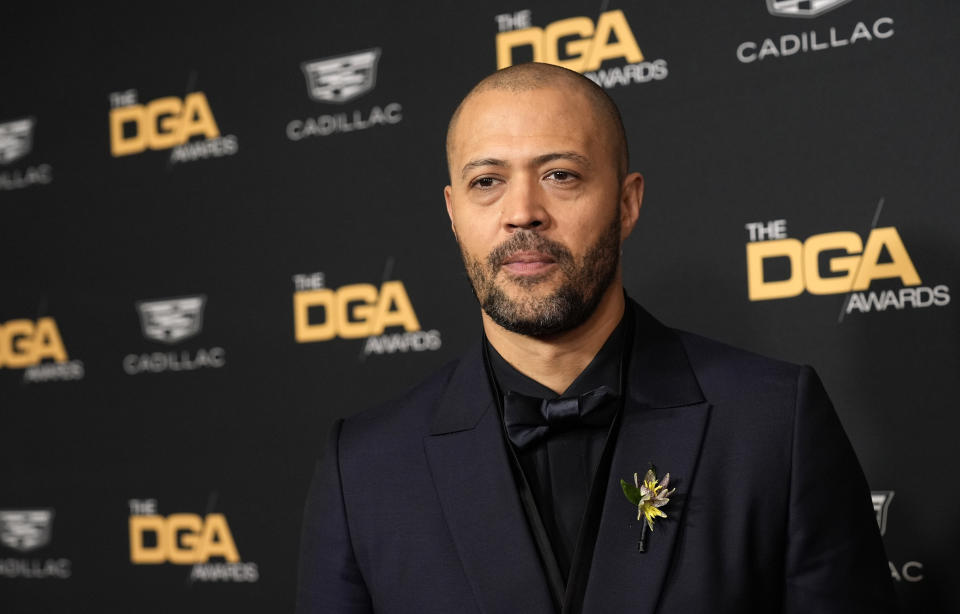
<point>528,240</point>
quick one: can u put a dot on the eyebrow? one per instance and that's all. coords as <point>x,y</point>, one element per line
<point>542,159</point>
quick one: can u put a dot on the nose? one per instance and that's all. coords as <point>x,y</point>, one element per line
<point>523,207</point>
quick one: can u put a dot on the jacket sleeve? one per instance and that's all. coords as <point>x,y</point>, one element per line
<point>835,562</point>
<point>330,581</point>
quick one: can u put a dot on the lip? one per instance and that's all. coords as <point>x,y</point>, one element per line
<point>528,263</point>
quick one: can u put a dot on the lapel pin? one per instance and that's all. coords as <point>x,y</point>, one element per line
<point>649,496</point>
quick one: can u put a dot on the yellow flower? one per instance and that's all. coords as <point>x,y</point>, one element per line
<point>653,496</point>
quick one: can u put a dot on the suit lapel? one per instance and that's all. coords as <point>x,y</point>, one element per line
<point>663,423</point>
<point>477,491</point>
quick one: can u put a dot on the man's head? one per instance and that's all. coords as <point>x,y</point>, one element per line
<point>539,196</point>
<point>534,75</point>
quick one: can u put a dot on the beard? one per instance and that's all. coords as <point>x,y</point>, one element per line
<point>580,291</point>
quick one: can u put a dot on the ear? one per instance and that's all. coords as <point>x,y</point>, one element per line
<point>448,198</point>
<point>631,197</point>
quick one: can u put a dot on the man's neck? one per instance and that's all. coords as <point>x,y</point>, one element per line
<point>556,361</point>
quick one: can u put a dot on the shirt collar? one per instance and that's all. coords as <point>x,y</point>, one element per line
<point>603,370</point>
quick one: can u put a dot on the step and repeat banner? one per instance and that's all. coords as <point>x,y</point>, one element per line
<point>223,228</point>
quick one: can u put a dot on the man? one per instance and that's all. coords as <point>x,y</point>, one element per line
<point>495,485</point>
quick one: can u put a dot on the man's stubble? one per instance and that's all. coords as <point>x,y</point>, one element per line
<point>571,304</point>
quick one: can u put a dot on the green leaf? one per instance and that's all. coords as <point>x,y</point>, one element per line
<point>631,491</point>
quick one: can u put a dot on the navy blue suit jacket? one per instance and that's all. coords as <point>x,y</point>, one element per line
<point>414,507</point>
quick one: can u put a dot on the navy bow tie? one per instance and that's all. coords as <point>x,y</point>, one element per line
<point>530,419</point>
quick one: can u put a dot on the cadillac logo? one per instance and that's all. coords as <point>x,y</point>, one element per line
<point>881,503</point>
<point>16,139</point>
<point>342,78</point>
<point>802,8</point>
<point>172,320</point>
<point>25,530</point>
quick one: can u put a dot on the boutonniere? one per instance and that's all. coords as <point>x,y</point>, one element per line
<point>649,496</point>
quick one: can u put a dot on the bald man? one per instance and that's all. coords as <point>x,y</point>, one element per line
<point>583,457</point>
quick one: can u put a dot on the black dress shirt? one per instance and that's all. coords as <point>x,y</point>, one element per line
<point>561,468</point>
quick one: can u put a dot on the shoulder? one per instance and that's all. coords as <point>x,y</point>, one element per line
<point>728,372</point>
<point>760,407</point>
<point>404,417</point>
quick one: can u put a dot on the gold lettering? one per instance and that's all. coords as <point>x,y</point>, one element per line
<point>508,41</point>
<point>848,241</point>
<point>575,49</point>
<point>900,266</point>
<point>216,540</point>
<point>758,288</point>
<point>47,342</point>
<point>393,293</point>
<point>612,38</point>
<point>182,547</point>
<point>140,553</point>
<point>121,145</point>
<point>347,295</point>
<point>182,539</point>
<point>197,118</point>
<point>304,331</point>
<point>162,123</point>
<point>16,337</point>
<point>23,344</point>
<point>354,311</point>
<point>602,49</point>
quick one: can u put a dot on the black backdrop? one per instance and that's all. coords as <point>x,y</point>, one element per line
<point>225,411</point>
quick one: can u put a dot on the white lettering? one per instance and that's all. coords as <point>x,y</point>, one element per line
<point>55,371</point>
<point>35,568</point>
<point>917,297</point>
<point>767,231</point>
<point>812,40</point>
<point>325,125</point>
<point>16,179</point>
<point>158,362</point>
<point>640,72</point>
<point>416,341</point>
<point>205,149</point>
<point>225,572</point>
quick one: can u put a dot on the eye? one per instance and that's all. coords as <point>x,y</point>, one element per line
<point>483,182</point>
<point>561,176</point>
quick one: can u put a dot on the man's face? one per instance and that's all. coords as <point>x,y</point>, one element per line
<point>535,203</point>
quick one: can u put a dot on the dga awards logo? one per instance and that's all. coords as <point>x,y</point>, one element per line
<point>16,142</point>
<point>605,51</point>
<point>836,36</point>
<point>186,126</point>
<point>780,267</point>
<point>338,80</point>
<point>25,531</point>
<point>37,347</point>
<point>359,311</point>
<point>205,542</point>
<point>171,321</point>
<point>911,571</point>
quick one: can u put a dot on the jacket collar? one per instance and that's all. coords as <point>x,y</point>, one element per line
<point>467,396</point>
<point>660,373</point>
<point>660,376</point>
